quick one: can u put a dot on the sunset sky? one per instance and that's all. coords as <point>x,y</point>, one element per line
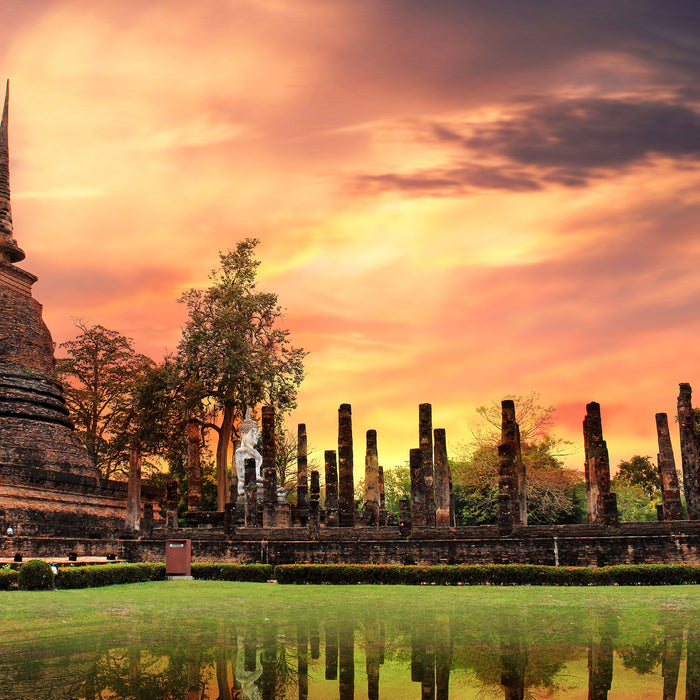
<point>456,200</point>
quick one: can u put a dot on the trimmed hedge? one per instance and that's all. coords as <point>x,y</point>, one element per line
<point>8,579</point>
<point>35,575</point>
<point>491,574</point>
<point>108,574</point>
<point>257,573</point>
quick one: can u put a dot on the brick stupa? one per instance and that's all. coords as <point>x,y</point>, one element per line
<point>48,483</point>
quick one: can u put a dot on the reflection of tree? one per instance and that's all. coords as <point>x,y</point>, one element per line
<point>643,656</point>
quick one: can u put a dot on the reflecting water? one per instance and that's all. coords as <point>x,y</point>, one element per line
<point>367,649</point>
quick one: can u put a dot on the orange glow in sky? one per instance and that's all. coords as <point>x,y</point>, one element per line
<point>456,201</point>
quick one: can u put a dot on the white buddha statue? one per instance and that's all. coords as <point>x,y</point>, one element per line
<point>250,434</point>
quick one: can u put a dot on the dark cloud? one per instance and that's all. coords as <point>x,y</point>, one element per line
<point>449,182</point>
<point>552,142</point>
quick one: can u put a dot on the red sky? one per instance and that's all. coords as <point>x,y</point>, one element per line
<point>457,201</point>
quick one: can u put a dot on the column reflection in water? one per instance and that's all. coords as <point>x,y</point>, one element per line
<point>373,654</point>
<point>346,659</point>
<point>692,677</point>
<point>443,659</point>
<point>303,659</point>
<point>600,657</point>
<point>671,657</point>
<point>331,650</point>
<point>269,661</point>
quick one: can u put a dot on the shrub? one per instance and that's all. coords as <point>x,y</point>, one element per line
<point>108,574</point>
<point>35,575</point>
<point>8,579</point>
<point>255,573</point>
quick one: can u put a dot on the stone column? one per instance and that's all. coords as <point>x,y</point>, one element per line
<point>194,474</point>
<point>251,493</point>
<point>372,479</point>
<point>171,506</point>
<point>508,499</point>
<point>670,491</point>
<point>405,519</point>
<point>417,487</point>
<point>382,497</point>
<point>602,504</point>
<point>302,480</point>
<point>441,480</point>
<point>314,504</point>
<point>331,477</point>
<point>346,486</point>
<point>133,492</point>
<point>690,452</point>
<point>269,468</point>
<point>425,436</point>
<point>230,505</point>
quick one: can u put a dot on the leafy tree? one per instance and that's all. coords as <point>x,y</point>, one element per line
<point>639,471</point>
<point>397,486</point>
<point>233,354</point>
<point>555,494</point>
<point>100,375</point>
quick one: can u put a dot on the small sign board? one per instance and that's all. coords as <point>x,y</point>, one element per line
<point>178,558</point>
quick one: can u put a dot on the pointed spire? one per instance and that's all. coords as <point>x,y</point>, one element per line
<point>9,252</point>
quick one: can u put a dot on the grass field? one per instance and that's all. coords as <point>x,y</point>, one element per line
<point>549,630</point>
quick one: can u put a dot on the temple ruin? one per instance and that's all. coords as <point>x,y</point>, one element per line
<point>54,499</point>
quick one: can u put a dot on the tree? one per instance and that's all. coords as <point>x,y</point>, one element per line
<point>99,375</point>
<point>397,486</point>
<point>555,494</point>
<point>639,471</point>
<point>233,353</point>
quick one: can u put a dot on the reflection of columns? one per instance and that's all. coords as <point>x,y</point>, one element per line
<point>193,673</point>
<point>222,667</point>
<point>423,661</point>
<point>314,640</point>
<point>690,451</point>
<point>692,673</point>
<point>269,469</point>
<point>346,660</point>
<point>194,475</point>
<point>425,436</point>
<point>302,480</point>
<point>443,661</point>
<point>133,493</point>
<point>600,667</point>
<point>268,659</point>
<point>331,650</point>
<point>441,480</point>
<point>417,491</point>
<point>303,659</point>
<point>671,659</point>
<point>372,656</point>
<point>250,652</point>
<point>346,486</point>
<point>513,664</point>
<point>372,479</point>
<point>331,488</point>
<point>670,491</point>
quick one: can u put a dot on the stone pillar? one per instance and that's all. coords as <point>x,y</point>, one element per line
<point>269,468</point>
<point>372,479</point>
<point>417,487</point>
<point>331,488</point>
<point>314,504</point>
<point>441,480</point>
<point>194,474</point>
<point>425,436</point>
<point>690,452</point>
<point>511,467</point>
<point>670,491</point>
<point>602,504</point>
<point>171,505</point>
<point>346,486</point>
<point>147,520</point>
<point>251,493</point>
<point>302,479</point>
<point>133,492</point>
<point>230,505</point>
<point>405,520</point>
<point>382,498</point>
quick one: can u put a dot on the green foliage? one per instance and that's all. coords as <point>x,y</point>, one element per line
<point>397,486</point>
<point>99,376</point>
<point>108,574</point>
<point>639,471</point>
<point>35,575</point>
<point>259,573</point>
<point>8,579</point>
<point>633,504</point>
<point>554,492</point>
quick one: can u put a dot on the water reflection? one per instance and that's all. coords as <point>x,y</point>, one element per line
<point>434,655</point>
